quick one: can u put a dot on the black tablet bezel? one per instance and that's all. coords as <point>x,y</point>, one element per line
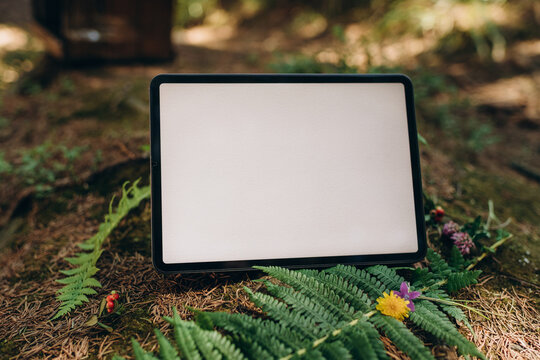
<point>155,156</point>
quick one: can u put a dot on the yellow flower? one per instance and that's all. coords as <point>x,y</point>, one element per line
<point>394,306</point>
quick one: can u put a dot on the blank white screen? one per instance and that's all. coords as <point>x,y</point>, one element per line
<point>267,171</point>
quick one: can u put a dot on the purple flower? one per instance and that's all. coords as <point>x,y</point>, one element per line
<point>406,295</point>
<point>449,229</point>
<point>463,242</point>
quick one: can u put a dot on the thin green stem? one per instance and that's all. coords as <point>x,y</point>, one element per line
<point>474,263</point>
<point>491,249</point>
<point>450,302</point>
<point>334,333</point>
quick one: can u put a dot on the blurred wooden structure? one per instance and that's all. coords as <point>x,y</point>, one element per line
<point>87,30</point>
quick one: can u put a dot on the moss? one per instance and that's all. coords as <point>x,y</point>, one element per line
<point>513,198</point>
<point>8,349</point>
<point>516,198</point>
<point>135,321</point>
<point>57,204</point>
<point>133,233</point>
<point>130,323</point>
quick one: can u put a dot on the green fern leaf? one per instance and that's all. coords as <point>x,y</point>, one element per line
<point>360,278</point>
<point>349,292</point>
<point>311,287</point>
<point>80,259</point>
<point>183,338</point>
<point>402,337</point>
<point>279,311</point>
<point>69,280</point>
<point>456,260</point>
<point>440,269</point>
<point>273,337</point>
<point>204,344</point>
<point>224,346</point>
<point>312,315</point>
<point>335,351</point>
<point>79,281</point>
<point>458,315</point>
<point>91,282</point>
<point>423,277</point>
<point>253,350</point>
<point>457,281</point>
<point>364,342</point>
<point>166,350</point>
<point>86,246</point>
<point>428,317</point>
<point>325,317</point>
<point>387,276</point>
<point>139,353</point>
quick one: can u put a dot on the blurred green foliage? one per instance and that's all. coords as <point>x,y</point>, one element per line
<point>190,12</point>
<point>15,62</point>
<point>42,165</point>
<point>299,63</point>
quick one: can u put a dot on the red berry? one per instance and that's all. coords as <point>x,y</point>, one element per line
<point>110,298</point>
<point>439,211</point>
<point>115,296</point>
<point>109,310</point>
<point>110,304</point>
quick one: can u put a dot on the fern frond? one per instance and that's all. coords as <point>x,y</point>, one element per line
<point>364,342</point>
<point>335,351</point>
<point>422,277</point>
<point>166,350</point>
<point>252,350</point>
<point>204,345</point>
<point>457,281</point>
<point>224,346</point>
<point>313,315</point>
<point>458,315</point>
<point>79,281</point>
<point>456,259</point>
<point>325,318</point>
<point>349,292</point>
<point>439,268</point>
<point>274,337</point>
<point>139,352</point>
<point>445,303</point>
<point>387,276</point>
<point>280,312</point>
<point>183,338</point>
<point>360,278</point>
<point>428,317</point>
<point>311,287</point>
<point>402,337</point>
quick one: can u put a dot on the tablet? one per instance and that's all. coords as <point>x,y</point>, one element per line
<point>287,170</point>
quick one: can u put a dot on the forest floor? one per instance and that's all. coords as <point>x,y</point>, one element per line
<point>100,114</point>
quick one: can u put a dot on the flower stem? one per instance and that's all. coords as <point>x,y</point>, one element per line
<point>450,302</point>
<point>491,249</point>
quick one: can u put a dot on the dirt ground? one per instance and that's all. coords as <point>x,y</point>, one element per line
<point>104,110</point>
